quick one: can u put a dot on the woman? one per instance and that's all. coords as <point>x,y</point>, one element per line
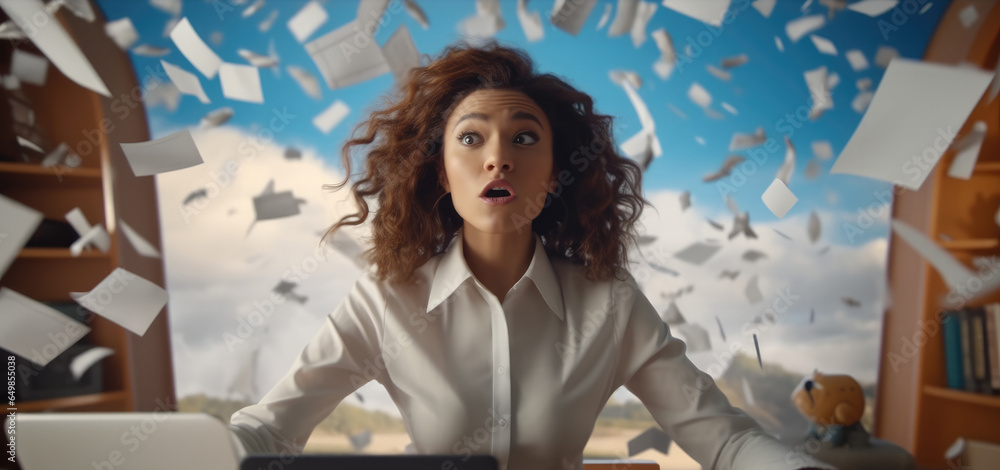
<point>498,313</point>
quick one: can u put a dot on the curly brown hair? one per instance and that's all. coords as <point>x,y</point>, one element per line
<point>594,224</point>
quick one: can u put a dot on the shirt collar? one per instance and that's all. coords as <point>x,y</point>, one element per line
<point>452,271</point>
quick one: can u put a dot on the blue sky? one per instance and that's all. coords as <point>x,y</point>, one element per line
<point>764,90</point>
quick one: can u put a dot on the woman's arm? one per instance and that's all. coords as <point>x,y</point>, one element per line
<point>343,355</point>
<point>686,402</point>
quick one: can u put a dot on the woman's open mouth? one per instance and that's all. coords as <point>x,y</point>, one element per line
<point>497,196</point>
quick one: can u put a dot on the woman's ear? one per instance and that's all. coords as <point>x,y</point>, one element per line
<point>443,178</point>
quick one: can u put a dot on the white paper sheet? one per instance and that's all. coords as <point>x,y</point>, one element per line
<point>85,360</point>
<point>967,151</point>
<point>306,81</point>
<point>173,7</point>
<point>122,32</point>
<point>531,22</point>
<point>664,66</point>
<point>265,25</point>
<point>697,253</point>
<point>645,141</point>
<point>812,170</point>
<point>968,16</point>
<point>624,16</point>
<point>331,116</point>
<point>857,60</point>
<point>778,198</point>
<point>217,117</point>
<point>194,49</point>
<point>28,67</point>
<point>765,7</point>
<point>253,8</point>
<point>710,12</point>
<point>141,245</point>
<point>146,50</point>
<point>126,299</point>
<point>721,74</point>
<point>799,27</point>
<point>823,45</point>
<point>186,82</point>
<point>19,223</point>
<point>727,166</point>
<point>898,141</point>
<point>873,8</point>
<point>344,66</point>
<point>259,60</point>
<point>271,205</point>
<point>98,237</point>
<point>819,91</point>
<point>752,290</point>
<point>695,336</point>
<point>605,16</point>
<point>814,229</point>
<point>400,52</point>
<point>35,331</point>
<point>884,55</point>
<point>822,149</point>
<point>951,270</point>
<point>173,152</point>
<point>55,43</point>
<point>570,16</point>
<point>780,45</point>
<point>164,94</point>
<point>734,61</point>
<point>307,21</point>
<point>241,82</point>
<point>416,13</point>
<point>745,141</point>
<point>788,166</point>
<point>699,95</point>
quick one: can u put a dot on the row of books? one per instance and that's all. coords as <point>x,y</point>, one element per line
<point>972,348</point>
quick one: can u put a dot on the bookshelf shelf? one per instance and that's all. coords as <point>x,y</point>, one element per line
<point>28,169</point>
<point>93,400</point>
<point>971,244</point>
<point>963,396</point>
<point>986,167</point>
<point>58,253</point>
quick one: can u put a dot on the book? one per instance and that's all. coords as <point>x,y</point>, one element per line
<point>993,344</point>
<point>953,350</point>
<point>968,379</point>
<point>980,367</point>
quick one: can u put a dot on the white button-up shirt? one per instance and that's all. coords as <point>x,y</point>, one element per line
<point>523,380</point>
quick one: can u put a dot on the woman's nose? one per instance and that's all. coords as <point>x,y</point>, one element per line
<point>499,157</point>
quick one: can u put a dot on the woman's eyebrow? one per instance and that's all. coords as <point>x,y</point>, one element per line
<point>520,115</point>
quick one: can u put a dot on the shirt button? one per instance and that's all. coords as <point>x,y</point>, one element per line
<point>500,370</point>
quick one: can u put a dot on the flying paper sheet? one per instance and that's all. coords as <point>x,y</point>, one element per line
<point>699,95</point>
<point>819,91</point>
<point>241,82</point>
<point>194,49</point>
<point>250,10</point>
<point>186,82</point>
<point>416,13</point>
<point>126,299</point>
<point>122,32</point>
<point>621,76</point>
<point>83,361</point>
<point>306,81</point>
<point>778,198</point>
<point>569,16</point>
<point>19,223</point>
<point>644,145</point>
<point>723,75</point>
<point>28,67</point>
<point>307,21</point>
<point>342,66</point>
<point>531,22</point>
<point>685,200</point>
<point>401,53</point>
<point>951,270</point>
<point>823,45</point>
<point>258,60</point>
<point>884,55</point>
<point>269,206</point>
<point>765,7</point>
<point>710,12</point>
<point>728,107</point>
<point>361,440</point>
<point>652,438</point>
<point>672,315</point>
<point>898,141</point>
<point>55,43</point>
<point>141,245</point>
<point>873,8</point>
<point>753,255</point>
<point>173,152</point>
<point>35,331</point>
<point>331,116</point>
<point>797,28</point>
<point>164,94</point>
<point>485,23</point>
<point>968,16</point>
<point>727,167</point>
<point>752,291</point>
<point>146,50</point>
<point>605,16</point>
<point>217,118</point>
<point>814,228</point>
<point>668,55</point>
<point>265,25</point>
<point>778,44</point>
<point>745,141</point>
<point>822,149</point>
<point>697,253</point>
<point>967,152</point>
<point>788,166</point>
<point>94,235</point>
<point>624,17</point>
<point>857,60</point>
<point>695,335</point>
<point>173,7</point>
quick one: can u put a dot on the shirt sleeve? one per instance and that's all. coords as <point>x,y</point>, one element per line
<point>342,356</point>
<point>685,401</point>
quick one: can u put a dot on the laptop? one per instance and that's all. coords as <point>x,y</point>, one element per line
<point>123,441</point>
<point>370,462</point>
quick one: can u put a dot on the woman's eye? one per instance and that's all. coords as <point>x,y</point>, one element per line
<point>531,138</point>
<point>468,138</point>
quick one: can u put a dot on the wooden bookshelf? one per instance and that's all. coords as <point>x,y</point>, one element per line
<point>139,375</point>
<point>914,406</point>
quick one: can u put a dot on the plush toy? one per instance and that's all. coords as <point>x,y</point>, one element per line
<point>833,404</point>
